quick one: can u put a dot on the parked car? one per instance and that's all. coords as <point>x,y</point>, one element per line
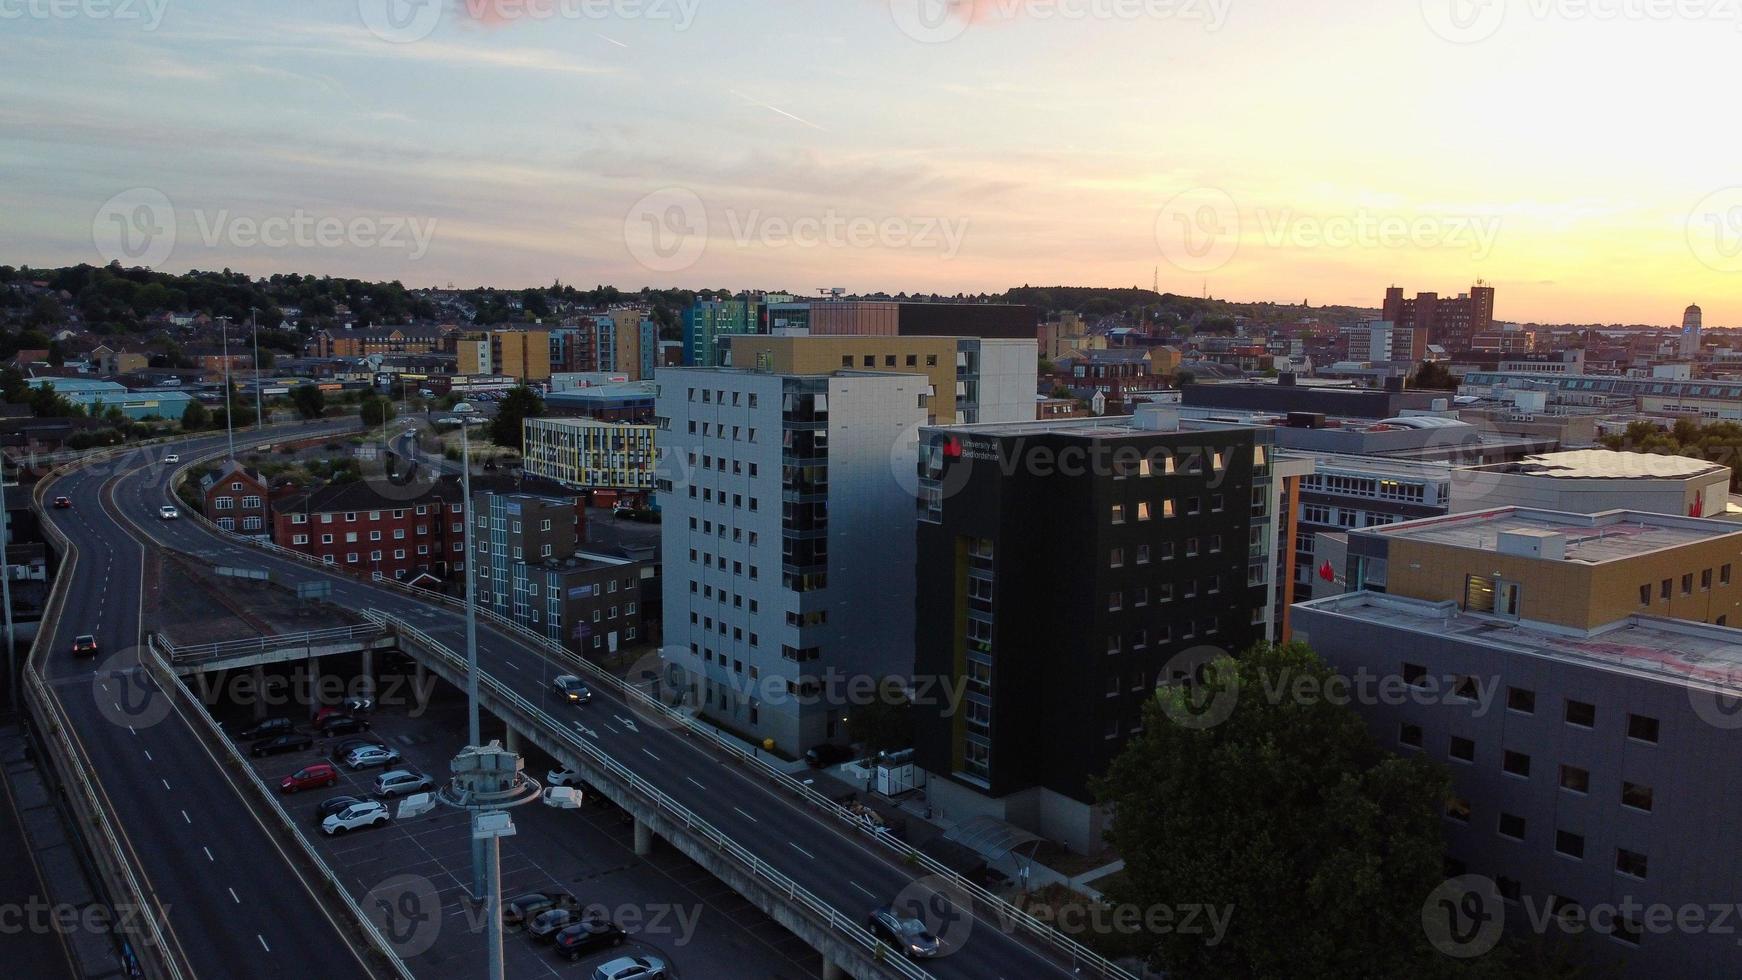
<point>84,645</point>
<point>346,745</point>
<point>350,706</point>
<point>368,813</point>
<point>527,907</point>
<point>335,804</point>
<point>582,937</point>
<point>62,503</point>
<point>171,458</point>
<point>908,936</point>
<point>308,777</point>
<point>371,756</point>
<point>396,782</point>
<point>337,724</point>
<point>562,777</point>
<point>277,744</point>
<point>572,689</point>
<point>168,513</point>
<point>827,754</point>
<point>545,925</point>
<point>261,729</point>
<point>631,968</point>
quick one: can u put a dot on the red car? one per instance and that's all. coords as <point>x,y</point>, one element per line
<point>62,503</point>
<point>308,777</point>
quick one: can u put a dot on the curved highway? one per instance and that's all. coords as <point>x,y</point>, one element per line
<point>819,854</point>
<point>233,901</point>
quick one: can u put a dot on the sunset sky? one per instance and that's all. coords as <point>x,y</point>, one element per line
<point>1588,167</point>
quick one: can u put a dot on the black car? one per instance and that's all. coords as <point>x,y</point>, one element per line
<point>583,937</point>
<point>572,689</point>
<point>332,805</point>
<point>910,937</point>
<point>827,754</point>
<point>342,725</point>
<point>277,744</point>
<point>266,729</point>
<point>545,925</point>
<point>527,907</point>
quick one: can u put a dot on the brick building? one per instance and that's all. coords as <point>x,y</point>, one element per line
<point>236,498</point>
<point>354,526</point>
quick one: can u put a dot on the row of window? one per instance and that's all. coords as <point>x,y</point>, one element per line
<point>350,516</point>
<point>718,396</point>
<point>711,462</point>
<point>1567,843</point>
<point>1580,714</point>
<point>739,432</point>
<point>229,503</point>
<point>1665,587</point>
<point>1188,629</point>
<point>1163,593</point>
<point>248,523</point>
<point>1170,507</point>
<point>721,627</point>
<point>709,592</point>
<point>1359,486</point>
<point>870,360</point>
<point>1143,552</point>
<point>709,496</point>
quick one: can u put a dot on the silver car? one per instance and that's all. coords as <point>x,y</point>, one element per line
<point>396,782</point>
<point>631,968</point>
<point>371,756</point>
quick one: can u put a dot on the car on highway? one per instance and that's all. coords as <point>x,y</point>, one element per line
<point>827,754</point>
<point>525,908</point>
<point>171,458</point>
<point>340,724</point>
<point>396,782</point>
<point>168,513</point>
<point>631,968</point>
<point>261,729</point>
<point>84,645</point>
<point>579,938</point>
<point>909,936</point>
<point>279,744</point>
<point>371,756</point>
<point>63,503</point>
<point>572,689</point>
<point>309,777</point>
<point>562,777</point>
<point>336,804</point>
<point>368,813</point>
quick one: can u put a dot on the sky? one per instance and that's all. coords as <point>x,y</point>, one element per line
<point>1576,154</point>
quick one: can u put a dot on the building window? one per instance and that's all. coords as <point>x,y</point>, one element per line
<point>1116,558</point>
<point>1520,700</point>
<point>1724,575</point>
<point>1415,675</point>
<point>1688,584</point>
<point>1636,796</point>
<point>1645,595</point>
<point>1663,589</point>
<point>1515,763</point>
<point>1705,580</point>
<point>1641,728</point>
<point>1462,749</point>
<point>1568,843</point>
<point>1581,714</point>
<point>1410,735</point>
<point>1630,863</point>
<point>1115,601</point>
<point>1458,808</point>
<point>1512,825</point>
<point>1575,780</point>
<point>1143,511</point>
<point>1118,513</point>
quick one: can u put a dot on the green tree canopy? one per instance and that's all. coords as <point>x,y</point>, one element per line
<point>376,410</point>
<point>1325,845</point>
<point>195,417</point>
<point>519,404</point>
<point>310,402</point>
<point>1434,376</point>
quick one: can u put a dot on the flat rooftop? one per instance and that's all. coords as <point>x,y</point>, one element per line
<point>1112,427</point>
<point>1591,538</point>
<point>1693,654</point>
<point>1608,464</point>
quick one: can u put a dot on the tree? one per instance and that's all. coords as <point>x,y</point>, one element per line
<point>1434,376</point>
<point>376,411</point>
<point>1183,378</point>
<point>1286,810</point>
<point>309,400</point>
<point>521,403</point>
<point>195,417</point>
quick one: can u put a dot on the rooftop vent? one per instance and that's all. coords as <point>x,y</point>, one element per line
<point>1533,544</point>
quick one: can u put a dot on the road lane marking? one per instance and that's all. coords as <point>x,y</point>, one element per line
<point>746,816</point>
<point>165,783</point>
<point>233,896</point>
<point>862,889</point>
<point>263,942</point>
<point>695,784</point>
<point>184,816</point>
<point>148,757</point>
<point>209,854</point>
<point>510,663</point>
<point>801,850</point>
<point>650,755</point>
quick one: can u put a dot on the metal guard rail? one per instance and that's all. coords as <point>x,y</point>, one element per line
<point>194,652</point>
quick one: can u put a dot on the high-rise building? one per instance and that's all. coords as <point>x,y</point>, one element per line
<point>1448,323</point>
<point>1063,567</point>
<point>788,542</point>
<point>708,320</point>
<point>972,380</point>
<point>1692,322</point>
<point>1577,676</point>
<point>515,352</point>
<point>590,453</point>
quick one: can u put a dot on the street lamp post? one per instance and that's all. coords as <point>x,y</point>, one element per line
<point>229,395</point>
<point>259,410</point>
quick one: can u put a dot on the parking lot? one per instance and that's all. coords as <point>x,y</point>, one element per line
<point>413,874</point>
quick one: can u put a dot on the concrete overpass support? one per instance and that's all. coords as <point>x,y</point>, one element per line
<point>259,679</point>
<point>312,685</point>
<point>366,677</point>
<point>643,838</point>
<point>511,739</point>
<point>832,970</point>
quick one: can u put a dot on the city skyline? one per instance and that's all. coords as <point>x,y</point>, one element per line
<point>513,144</point>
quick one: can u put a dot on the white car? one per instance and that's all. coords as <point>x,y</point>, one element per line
<point>168,513</point>
<point>172,458</point>
<point>365,813</point>
<point>631,968</point>
<point>562,777</point>
<point>397,782</point>
<point>370,756</point>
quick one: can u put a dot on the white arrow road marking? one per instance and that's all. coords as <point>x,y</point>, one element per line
<point>626,723</point>
<point>589,732</point>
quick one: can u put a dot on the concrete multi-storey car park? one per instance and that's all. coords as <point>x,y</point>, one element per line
<point>787,541</point>
<point>1061,566</point>
<point>1577,676</point>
